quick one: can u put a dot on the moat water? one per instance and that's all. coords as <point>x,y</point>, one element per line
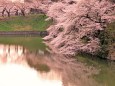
<point>27,61</point>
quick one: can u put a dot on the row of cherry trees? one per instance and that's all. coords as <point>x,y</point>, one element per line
<point>8,7</point>
<point>77,24</point>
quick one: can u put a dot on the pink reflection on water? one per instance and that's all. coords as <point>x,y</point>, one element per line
<point>14,70</point>
<point>10,53</point>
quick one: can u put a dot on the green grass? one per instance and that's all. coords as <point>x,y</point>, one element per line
<point>31,43</point>
<point>20,23</point>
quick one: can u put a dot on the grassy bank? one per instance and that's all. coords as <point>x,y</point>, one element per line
<point>20,23</point>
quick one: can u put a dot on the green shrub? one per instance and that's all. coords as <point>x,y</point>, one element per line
<point>107,39</point>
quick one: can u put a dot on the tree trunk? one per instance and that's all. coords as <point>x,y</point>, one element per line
<point>8,13</point>
<point>3,11</point>
<point>16,13</point>
<point>23,12</point>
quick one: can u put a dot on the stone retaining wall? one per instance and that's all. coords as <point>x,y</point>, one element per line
<point>23,33</point>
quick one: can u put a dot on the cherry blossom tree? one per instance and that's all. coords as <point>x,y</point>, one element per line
<point>35,3</point>
<point>3,7</point>
<point>44,5</point>
<point>9,8</point>
<point>77,24</point>
<point>22,7</point>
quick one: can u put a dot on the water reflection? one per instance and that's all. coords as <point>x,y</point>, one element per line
<point>19,75</point>
<point>21,67</point>
<point>14,70</point>
<point>10,53</point>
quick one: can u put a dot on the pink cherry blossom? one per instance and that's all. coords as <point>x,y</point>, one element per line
<point>76,21</point>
